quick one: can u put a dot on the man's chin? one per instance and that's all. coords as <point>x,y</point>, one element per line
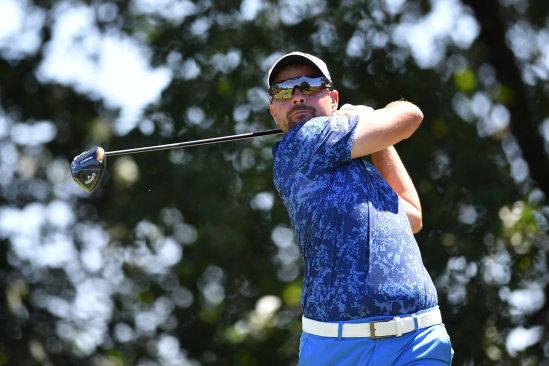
<point>300,118</point>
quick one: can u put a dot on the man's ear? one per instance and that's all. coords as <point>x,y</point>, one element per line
<point>335,100</point>
<point>271,109</point>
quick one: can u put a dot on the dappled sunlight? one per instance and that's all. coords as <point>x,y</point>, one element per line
<point>20,30</point>
<point>426,37</point>
<point>104,65</point>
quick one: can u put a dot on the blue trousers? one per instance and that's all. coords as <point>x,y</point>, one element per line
<point>428,346</point>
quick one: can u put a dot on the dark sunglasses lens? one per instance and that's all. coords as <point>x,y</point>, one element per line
<point>283,92</point>
<point>285,89</point>
<point>310,89</point>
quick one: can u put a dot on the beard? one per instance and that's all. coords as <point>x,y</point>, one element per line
<point>300,118</point>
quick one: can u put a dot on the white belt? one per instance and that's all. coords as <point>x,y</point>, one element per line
<point>376,329</point>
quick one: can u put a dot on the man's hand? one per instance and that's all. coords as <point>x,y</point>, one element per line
<point>353,110</point>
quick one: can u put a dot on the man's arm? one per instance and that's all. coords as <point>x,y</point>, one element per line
<point>376,133</point>
<point>379,129</point>
<point>392,169</point>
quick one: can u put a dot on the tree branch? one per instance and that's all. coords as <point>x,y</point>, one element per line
<point>502,59</point>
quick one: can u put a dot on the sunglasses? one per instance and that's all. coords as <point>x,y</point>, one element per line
<point>307,84</point>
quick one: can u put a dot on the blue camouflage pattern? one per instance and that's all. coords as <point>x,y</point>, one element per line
<point>361,257</point>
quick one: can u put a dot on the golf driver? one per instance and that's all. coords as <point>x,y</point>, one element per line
<point>87,168</point>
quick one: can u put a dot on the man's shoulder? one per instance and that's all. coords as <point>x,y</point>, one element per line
<point>330,122</point>
<point>311,127</point>
<point>320,125</point>
<point>315,131</point>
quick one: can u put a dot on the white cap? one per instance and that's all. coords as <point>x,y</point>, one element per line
<point>296,58</point>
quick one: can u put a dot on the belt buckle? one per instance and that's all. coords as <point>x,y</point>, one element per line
<point>373,330</point>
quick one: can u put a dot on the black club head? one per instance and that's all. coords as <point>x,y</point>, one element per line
<point>87,168</point>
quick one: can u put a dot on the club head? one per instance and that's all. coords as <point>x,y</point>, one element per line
<point>87,168</point>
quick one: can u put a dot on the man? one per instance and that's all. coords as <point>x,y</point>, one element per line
<point>367,297</point>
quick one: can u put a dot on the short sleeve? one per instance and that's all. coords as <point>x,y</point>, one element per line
<point>318,144</point>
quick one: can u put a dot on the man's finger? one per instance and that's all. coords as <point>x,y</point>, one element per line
<point>342,113</point>
<point>347,107</point>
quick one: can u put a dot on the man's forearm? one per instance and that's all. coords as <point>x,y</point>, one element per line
<point>383,127</point>
<point>392,169</point>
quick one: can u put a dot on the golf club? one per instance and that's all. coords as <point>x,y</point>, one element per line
<point>87,168</point>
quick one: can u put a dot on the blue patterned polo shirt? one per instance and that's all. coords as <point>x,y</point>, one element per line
<point>361,257</point>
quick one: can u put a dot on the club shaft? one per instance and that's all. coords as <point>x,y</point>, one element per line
<point>177,145</point>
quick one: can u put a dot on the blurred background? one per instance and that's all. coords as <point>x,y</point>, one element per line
<point>187,257</point>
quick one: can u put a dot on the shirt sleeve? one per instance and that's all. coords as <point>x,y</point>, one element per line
<point>311,147</point>
<point>324,143</point>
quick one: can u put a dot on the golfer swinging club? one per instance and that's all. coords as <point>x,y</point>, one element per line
<point>367,297</point>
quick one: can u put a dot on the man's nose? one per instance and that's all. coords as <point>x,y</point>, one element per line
<point>297,96</point>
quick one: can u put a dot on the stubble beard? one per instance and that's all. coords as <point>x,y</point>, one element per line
<point>300,118</point>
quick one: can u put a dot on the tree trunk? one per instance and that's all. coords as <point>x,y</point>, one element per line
<point>523,120</point>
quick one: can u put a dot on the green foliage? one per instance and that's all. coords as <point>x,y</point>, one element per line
<point>505,95</point>
<point>292,294</point>
<point>465,80</point>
